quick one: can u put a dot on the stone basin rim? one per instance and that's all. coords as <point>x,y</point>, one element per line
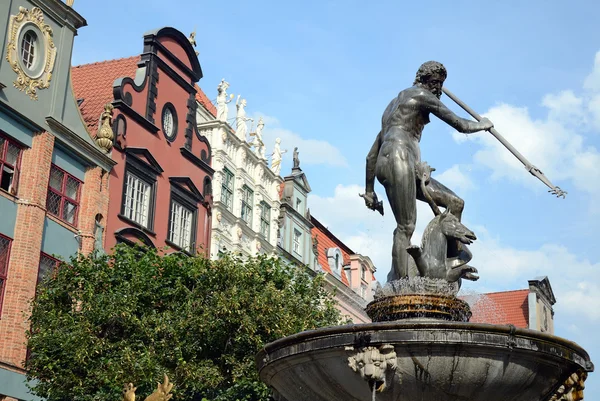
<point>416,325</point>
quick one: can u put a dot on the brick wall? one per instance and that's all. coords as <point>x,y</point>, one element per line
<point>26,246</point>
<point>94,201</point>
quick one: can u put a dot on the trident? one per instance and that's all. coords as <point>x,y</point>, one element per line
<point>528,166</point>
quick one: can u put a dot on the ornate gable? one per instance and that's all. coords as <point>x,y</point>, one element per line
<point>542,287</point>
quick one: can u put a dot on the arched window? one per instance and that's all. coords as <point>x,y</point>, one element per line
<point>207,187</point>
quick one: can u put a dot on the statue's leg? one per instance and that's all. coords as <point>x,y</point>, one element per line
<point>444,197</point>
<point>396,173</point>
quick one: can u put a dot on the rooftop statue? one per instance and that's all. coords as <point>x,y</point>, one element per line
<point>296,158</point>
<point>241,128</point>
<point>223,100</point>
<point>257,142</point>
<point>277,155</point>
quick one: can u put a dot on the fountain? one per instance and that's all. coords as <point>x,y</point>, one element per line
<point>421,345</point>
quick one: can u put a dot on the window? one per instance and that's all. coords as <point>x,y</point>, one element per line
<point>169,122</point>
<point>363,291</point>
<point>265,216</point>
<point>247,198</point>
<point>296,245</point>
<point>29,49</point>
<point>335,259</point>
<point>5,243</point>
<point>10,155</point>
<point>227,189</point>
<point>298,204</point>
<point>63,195</point>
<point>139,189</point>
<point>183,216</point>
<point>48,265</point>
<point>363,273</point>
<point>136,199</point>
<point>180,227</point>
<point>207,187</point>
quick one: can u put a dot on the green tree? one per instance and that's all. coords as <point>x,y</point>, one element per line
<point>102,321</point>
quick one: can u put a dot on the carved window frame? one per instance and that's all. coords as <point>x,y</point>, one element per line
<point>30,80</point>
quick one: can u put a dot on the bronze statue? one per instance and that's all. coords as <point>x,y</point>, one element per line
<point>395,155</point>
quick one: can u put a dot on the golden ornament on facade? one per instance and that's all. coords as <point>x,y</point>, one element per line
<point>41,53</point>
<point>70,3</point>
<point>105,135</point>
<point>162,392</point>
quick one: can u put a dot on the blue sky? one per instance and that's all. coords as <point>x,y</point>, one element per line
<point>322,72</point>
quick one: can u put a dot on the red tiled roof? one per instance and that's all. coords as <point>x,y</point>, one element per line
<point>326,240</point>
<point>94,84</point>
<point>508,307</point>
<point>205,101</point>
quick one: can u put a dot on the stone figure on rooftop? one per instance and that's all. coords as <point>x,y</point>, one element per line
<point>223,100</point>
<point>277,155</point>
<point>395,155</point>
<point>296,159</point>
<point>257,142</point>
<point>240,127</point>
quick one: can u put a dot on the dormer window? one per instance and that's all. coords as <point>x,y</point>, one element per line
<point>335,260</point>
<point>296,245</point>
<point>298,204</point>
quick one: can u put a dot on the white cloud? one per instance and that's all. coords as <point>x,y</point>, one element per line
<point>592,82</point>
<point>312,151</point>
<point>565,107</point>
<point>575,281</point>
<point>456,178</point>
<point>555,143</point>
<point>548,143</point>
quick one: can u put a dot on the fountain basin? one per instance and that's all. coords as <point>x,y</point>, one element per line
<point>434,361</point>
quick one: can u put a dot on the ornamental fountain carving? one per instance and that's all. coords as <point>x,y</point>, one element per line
<point>421,345</point>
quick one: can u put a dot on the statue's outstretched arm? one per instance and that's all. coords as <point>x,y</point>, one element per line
<point>433,105</point>
<point>371,163</point>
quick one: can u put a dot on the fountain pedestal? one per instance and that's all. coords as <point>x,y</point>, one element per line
<point>410,306</point>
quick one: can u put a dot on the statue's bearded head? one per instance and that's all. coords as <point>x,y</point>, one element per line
<point>431,75</point>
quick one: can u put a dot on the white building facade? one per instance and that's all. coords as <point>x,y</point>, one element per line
<point>245,191</point>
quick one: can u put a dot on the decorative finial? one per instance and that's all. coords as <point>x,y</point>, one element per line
<point>70,3</point>
<point>192,39</point>
<point>105,135</point>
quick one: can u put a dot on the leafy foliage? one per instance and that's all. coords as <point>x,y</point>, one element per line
<point>103,321</point>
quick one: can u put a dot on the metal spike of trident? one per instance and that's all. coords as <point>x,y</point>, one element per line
<point>528,166</point>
